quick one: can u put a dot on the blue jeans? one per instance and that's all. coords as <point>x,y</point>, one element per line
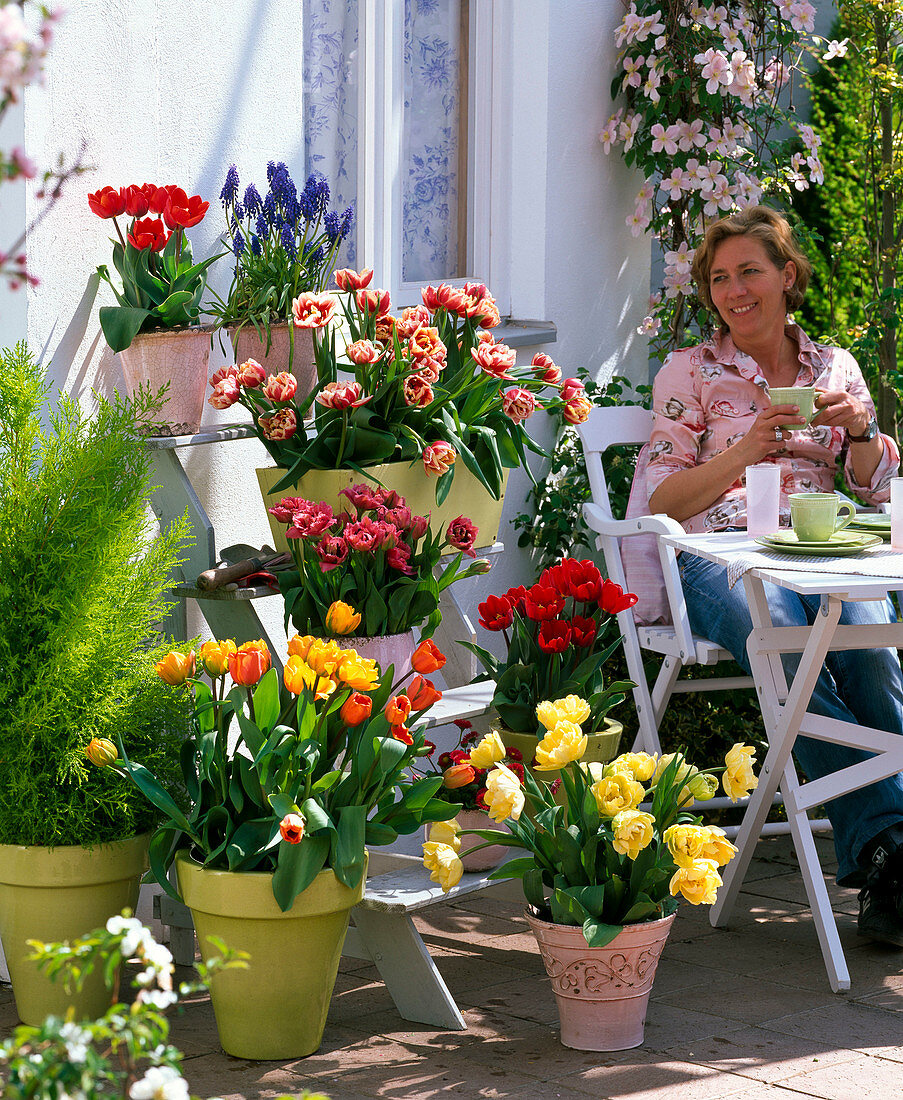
<point>863,686</point>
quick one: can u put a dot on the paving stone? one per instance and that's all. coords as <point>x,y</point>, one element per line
<point>844,1080</point>
<point>751,1000</point>
<point>645,1077</point>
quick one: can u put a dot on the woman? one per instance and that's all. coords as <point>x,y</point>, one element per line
<point>713,418</point>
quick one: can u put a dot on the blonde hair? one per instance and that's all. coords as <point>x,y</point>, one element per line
<point>765,225</point>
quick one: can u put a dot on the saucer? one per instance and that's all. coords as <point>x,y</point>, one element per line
<point>854,544</point>
<point>839,538</point>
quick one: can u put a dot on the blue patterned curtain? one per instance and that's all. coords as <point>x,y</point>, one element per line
<point>431,120</point>
<point>430,152</point>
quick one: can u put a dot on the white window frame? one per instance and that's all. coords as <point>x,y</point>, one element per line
<point>380,145</point>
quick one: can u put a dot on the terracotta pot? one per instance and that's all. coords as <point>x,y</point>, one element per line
<point>486,858</point>
<point>178,357</point>
<point>602,992</point>
<point>248,345</point>
<point>53,894</point>
<point>275,1007</point>
<point>467,496</point>
<point>386,649</point>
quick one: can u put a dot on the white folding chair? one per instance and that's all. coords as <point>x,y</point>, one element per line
<point>676,643</point>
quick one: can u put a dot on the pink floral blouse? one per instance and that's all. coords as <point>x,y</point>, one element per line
<point>705,398</point>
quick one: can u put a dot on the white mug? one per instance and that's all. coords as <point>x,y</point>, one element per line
<point>763,498</point>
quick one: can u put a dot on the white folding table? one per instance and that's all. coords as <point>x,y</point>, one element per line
<point>865,577</point>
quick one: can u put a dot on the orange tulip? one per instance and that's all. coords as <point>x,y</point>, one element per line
<point>397,710</point>
<point>356,709</point>
<point>423,693</point>
<point>249,663</point>
<point>402,733</point>
<point>291,828</point>
<point>102,752</point>
<point>299,645</point>
<point>175,668</point>
<point>427,657</point>
<point>458,775</point>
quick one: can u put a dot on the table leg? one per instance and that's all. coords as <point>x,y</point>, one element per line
<point>781,724</point>
<point>405,965</point>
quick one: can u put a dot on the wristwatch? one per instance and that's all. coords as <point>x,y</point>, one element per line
<point>871,430</point>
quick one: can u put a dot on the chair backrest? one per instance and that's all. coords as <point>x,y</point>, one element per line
<point>612,426</point>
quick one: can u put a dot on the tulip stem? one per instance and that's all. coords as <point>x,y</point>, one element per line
<point>119,234</point>
<point>341,451</point>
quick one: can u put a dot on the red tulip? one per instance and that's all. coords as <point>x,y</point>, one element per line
<point>107,202</point>
<point>148,233</point>
<point>516,596</point>
<point>184,211</point>
<point>249,663</point>
<point>614,599</point>
<point>554,637</point>
<point>291,828</point>
<point>462,535</point>
<point>583,631</point>
<point>137,199</point>
<point>542,603</point>
<point>346,279</point>
<point>495,613</point>
<point>159,197</point>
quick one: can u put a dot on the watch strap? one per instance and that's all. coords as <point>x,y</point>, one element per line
<point>871,430</point>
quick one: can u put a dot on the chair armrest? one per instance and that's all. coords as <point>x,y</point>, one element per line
<point>660,524</point>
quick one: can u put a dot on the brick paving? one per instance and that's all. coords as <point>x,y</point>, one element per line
<point>743,1012</point>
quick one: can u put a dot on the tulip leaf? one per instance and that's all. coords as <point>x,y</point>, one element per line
<point>147,783</point>
<point>252,736</point>
<point>377,834</point>
<point>249,841</point>
<point>297,866</point>
<point>282,804</point>
<point>318,819</point>
<point>160,856</point>
<point>348,845</point>
<point>642,909</point>
<point>266,701</point>
<point>121,324</point>
<point>598,934</point>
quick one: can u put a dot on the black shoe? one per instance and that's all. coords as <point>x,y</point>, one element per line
<point>881,899</point>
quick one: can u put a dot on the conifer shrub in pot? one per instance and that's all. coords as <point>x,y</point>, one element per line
<point>82,583</point>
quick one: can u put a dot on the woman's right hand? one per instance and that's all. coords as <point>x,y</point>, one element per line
<point>766,436</point>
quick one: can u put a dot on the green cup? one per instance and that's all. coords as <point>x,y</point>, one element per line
<point>804,396</point>
<point>815,516</point>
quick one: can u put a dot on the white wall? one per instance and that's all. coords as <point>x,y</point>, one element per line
<point>153,104</point>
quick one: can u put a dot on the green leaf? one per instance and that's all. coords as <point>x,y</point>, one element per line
<point>349,845</point>
<point>121,324</point>
<point>266,701</point>
<point>598,934</point>
<point>298,865</point>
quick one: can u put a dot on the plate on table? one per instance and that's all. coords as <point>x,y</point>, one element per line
<point>841,544</point>
<point>877,524</point>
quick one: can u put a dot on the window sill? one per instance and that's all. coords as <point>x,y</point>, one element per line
<point>520,334</point>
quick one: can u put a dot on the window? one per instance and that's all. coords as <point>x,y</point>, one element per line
<point>399,112</point>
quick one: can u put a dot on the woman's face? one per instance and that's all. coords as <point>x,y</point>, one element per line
<point>748,289</point>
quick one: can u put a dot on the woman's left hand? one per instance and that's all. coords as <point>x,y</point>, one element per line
<point>839,409</point>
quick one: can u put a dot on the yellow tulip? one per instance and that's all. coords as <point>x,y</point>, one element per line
<point>175,668</point>
<point>341,618</point>
<point>489,751</point>
<point>324,657</point>
<point>570,709</point>
<point>298,675</point>
<point>702,786</point>
<point>299,645</point>
<point>684,772</point>
<point>561,745</point>
<point>686,843</point>
<point>442,861</point>
<point>446,832</point>
<point>638,764</point>
<point>359,673</point>
<point>614,793</point>
<point>698,883</point>
<point>738,779</point>
<point>504,796</point>
<point>215,656</point>
<point>718,847</point>
<point>633,831</point>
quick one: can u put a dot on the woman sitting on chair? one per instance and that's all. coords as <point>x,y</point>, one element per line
<point>713,418</point>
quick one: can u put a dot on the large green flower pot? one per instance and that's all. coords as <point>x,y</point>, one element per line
<point>467,496</point>
<point>53,894</point>
<point>277,1006</point>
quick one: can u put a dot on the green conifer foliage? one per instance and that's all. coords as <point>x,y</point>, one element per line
<point>82,583</point>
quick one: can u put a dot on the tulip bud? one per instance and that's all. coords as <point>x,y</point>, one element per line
<point>291,827</point>
<point>480,567</point>
<point>102,752</point>
<point>341,618</point>
<point>215,656</point>
<point>427,658</point>
<point>458,775</point>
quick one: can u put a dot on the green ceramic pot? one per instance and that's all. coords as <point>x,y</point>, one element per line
<point>276,1007</point>
<point>53,894</point>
